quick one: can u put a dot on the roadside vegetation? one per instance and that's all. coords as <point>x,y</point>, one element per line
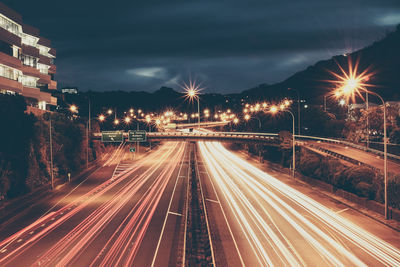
<point>25,149</point>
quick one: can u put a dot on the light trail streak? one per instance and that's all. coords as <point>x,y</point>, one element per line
<point>282,226</point>
<point>77,239</point>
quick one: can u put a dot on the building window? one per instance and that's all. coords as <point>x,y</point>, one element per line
<point>8,72</point>
<point>42,105</point>
<point>6,48</point>
<point>28,81</point>
<point>7,92</point>
<point>29,61</point>
<point>43,50</point>
<point>10,26</point>
<point>15,51</point>
<point>43,68</point>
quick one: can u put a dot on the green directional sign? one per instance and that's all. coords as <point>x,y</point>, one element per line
<point>112,136</point>
<point>132,149</point>
<point>137,136</point>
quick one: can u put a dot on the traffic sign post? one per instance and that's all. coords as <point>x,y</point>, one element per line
<point>137,136</point>
<point>112,136</point>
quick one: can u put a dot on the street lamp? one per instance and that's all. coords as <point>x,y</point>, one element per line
<point>283,107</point>
<point>298,109</point>
<point>73,109</point>
<point>349,89</point>
<point>192,93</point>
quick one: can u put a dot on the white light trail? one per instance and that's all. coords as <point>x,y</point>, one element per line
<point>284,226</point>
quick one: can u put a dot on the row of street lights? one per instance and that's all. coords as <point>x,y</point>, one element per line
<point>349,86</point>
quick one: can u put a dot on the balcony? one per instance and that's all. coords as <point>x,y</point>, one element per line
<point>11,85</point>
<point>30,30</point>
<point>44,60</point>
<point>53,101</point>
<point>53,52</point>
<point>30,51</point>
<point>31,71</point>
<point>9,37</point>
<point>10,61</point>
<point>45,42</point>
<point>44,78</point>
<point>35,93</point>
<point>53,69</point>
<point>31,92</point>
<point>53,85</point>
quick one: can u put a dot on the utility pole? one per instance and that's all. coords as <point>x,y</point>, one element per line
<point>88,128</point>
<point>87,144</point>
<point>198,109</point>
<point>150,132</point>
<point>51,153</point>
<point>137,142</point>
<point>367,107</point>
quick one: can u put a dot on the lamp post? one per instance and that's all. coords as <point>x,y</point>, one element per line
<point>148,120</point>
<point>298,110</point>
<point>349,89</point>
<point>274,110</point>
<point>51,153</point>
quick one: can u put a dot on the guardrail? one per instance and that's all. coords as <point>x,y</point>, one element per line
<point>215,135</point>
<point>346,143</point>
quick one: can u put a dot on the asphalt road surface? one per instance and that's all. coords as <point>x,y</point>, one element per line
<point>134,213</point>
<point>134,216</point>
<point>257,220</point>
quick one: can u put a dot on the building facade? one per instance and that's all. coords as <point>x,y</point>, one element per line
<point>26,61</point>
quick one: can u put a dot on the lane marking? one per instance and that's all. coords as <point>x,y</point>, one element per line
<point>340,211</point>
<point>226,219</point>
<point>174,213</point>
<point>168,209</point>
<point>212,200</point>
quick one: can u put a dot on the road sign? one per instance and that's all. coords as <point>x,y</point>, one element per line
<point>112,136</point>
<point>132,149</point>
<point>137,136</point>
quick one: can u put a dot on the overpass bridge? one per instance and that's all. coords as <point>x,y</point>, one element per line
<point>340,149</point>
<point>208,136</point>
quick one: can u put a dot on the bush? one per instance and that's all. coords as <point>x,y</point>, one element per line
<point>394,192</point>
<point>309,164</point>
<point>365,190</point>
<point>359,174</point>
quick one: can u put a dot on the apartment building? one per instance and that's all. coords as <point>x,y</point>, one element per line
<point>26,61</point>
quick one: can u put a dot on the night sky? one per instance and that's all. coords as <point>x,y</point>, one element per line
<point>229,46</point>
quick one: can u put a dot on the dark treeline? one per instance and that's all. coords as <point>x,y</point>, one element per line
<point>24,147</point>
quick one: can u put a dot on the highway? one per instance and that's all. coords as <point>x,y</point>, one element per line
<point>257,220</point>
<point>135,215</point>
<point>135,212</point>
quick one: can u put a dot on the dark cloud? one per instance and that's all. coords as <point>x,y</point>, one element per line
<point>230,45</point>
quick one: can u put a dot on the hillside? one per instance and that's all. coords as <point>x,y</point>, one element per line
<point>383,57</point>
